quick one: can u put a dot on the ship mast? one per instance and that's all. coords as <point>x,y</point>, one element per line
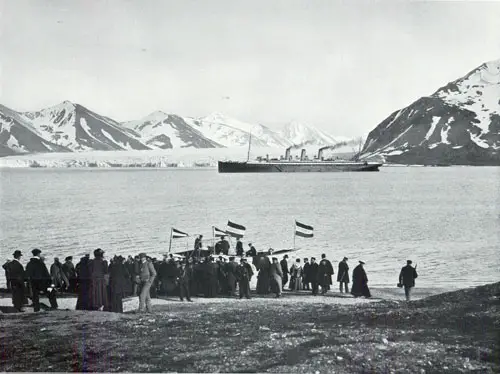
<point>249,143</point>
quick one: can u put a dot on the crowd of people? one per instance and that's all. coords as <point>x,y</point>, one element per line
<point>100,285</point>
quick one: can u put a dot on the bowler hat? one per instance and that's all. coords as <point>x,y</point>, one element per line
<point>345,259</point>
<point>69,258</point>
<point>36,252</point>
<point>361,262</point>
<point>17,253</point>
<point>98,252</point>
<point>408,262</point>
<point>142,255</point>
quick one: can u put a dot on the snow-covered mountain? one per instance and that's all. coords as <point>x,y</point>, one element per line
<point>299,133</point>
<point>17,135</point>
<point>69,127</point>
<point>231,132</point>
<point>458,124</point>
<point>162,130</point>
<point>77,128</point>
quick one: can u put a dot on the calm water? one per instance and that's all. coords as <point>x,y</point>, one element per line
<point>444,219</point>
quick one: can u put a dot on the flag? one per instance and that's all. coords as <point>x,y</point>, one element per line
<point>235,230</point>
<point>218,232</point>
<point>178,234</point>
<point>305,231</point>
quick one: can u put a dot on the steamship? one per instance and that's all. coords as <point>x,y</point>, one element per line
<point>287,164</point>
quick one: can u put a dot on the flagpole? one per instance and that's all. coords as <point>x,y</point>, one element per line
<point>293,235</point>
<point>170,244</point>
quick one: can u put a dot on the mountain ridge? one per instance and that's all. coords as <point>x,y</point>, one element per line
<point>459,124</point>
<point>72,127</point>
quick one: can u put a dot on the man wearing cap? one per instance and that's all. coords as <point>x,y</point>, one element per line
<point>224,244</point>
<point>313,275</point>
<point>231,270</point>
<point>407,278</point>
<point>17,281</point>
<point>343,275</point>
<point>239,248</point>
<point>40,280</point>
<point>147,274</point>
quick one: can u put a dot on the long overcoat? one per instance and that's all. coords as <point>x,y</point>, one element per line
<point>360,282</point>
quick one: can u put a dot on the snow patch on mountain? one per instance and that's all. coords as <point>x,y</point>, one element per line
<point>298,133</point>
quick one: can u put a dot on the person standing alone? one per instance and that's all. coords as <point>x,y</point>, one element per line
<point>407,278</point>
<point>147,274</point>
<point>343,275</point>
<point>17,281</point>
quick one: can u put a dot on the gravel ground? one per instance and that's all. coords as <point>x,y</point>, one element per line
<point>450,332</point>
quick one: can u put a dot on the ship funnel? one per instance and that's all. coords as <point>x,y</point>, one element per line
<point>287,153</point>
<point>303,155</point>
<point>320,152</point>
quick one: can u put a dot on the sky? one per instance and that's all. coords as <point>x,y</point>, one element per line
<point>341,66</point>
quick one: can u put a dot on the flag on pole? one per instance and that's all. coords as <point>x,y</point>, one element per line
<point>303,230</point>
<point>235,230</point>
<point>178,234</point>
<point>218,232</point>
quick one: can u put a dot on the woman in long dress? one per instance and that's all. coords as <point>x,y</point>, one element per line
<point>98,281</point>
<point>360,282</point>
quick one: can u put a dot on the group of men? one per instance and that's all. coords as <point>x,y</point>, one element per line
<point>102,286</point>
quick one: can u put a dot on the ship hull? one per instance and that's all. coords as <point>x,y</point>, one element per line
<point>291,167</point>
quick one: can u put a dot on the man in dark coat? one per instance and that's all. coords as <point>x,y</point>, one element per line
<point>263,265</point>
<point>231,268</point>
<point>224,246</point>
<point>343,275</point>
<point>252,251</point>
<point>329,269</point>
<point>16,271</point>
<point>118,280</point>
<point>83,276</point>
<point>69,271</point>
<point>244,273</point>
<point>305,275</point>
<point>313,275</point>
<point>360,282</point>
<point>239,248</point>
<point>407,278</point>
<point>99,278</point>
<point>284,270</point>
<point>276,277</point>
<point>40,280</point>
<point>185,276</point>
<point>324,277</point>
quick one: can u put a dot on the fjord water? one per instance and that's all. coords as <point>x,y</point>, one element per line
<point>445,219</point>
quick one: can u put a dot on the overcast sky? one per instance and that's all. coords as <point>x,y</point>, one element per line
<point>342,66</point>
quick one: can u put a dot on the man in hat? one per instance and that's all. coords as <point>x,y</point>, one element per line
<point>329,269</point>
<point>360,282</point>
<point>147,274</point>
<point>343,275</point>
<point>407,278</point>
<point>252,251</point>
<point>17,281</point>
<point>244,273</point>
<point>70,272</point>
<point>40,280</point>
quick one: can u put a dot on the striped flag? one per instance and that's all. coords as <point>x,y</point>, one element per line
<point>302,230</point>
<point>235,230</point>
<point>178,234</point>
<point>218,232</point>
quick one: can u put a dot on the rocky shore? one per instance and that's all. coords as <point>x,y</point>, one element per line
<point>449,332</point>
